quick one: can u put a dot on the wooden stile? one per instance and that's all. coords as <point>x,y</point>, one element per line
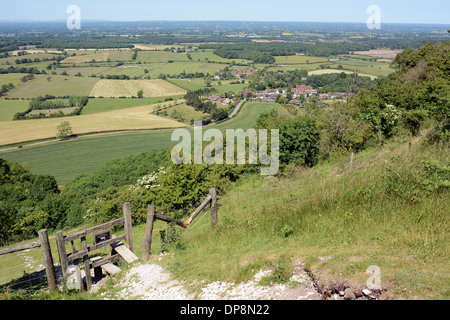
<point>214,218</point>
<point>62,253</point>
<point>128,225</point>
<point>197,212</point>
<point>87,267</point>
<point>124,252</point>
<point>48,260</point>
<point>147,247</point>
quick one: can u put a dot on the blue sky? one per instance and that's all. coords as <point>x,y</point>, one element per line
<point>392,11</point>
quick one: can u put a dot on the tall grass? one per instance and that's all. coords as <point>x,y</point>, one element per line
<point>380,213</point>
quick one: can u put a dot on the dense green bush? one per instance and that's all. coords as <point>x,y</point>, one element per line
<point>299,140</point>
<point>174,191</point>
<point>26,202</point>
<point>299,137</point>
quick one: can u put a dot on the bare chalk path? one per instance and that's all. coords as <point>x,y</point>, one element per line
<point>151,282</point>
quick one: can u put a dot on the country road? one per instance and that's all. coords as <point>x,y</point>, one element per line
<point>238,107</point>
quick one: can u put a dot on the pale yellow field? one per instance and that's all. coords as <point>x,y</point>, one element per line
<point>327,71</point>
<point>124,119</point>
<point>153,47</point>
<point>87,58</point>
<point>129,88</point>
<point>380,53</point>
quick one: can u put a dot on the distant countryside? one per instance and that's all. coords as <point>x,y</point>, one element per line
<point>358,209</point>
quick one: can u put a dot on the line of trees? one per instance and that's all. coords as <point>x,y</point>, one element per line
<point>196,99</point>
<point>49,102</point>
<point>5,88</point>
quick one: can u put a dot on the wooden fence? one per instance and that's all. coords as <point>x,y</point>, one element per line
<point>46,253</point>
<point>102,235</point>
<point>152,215</point>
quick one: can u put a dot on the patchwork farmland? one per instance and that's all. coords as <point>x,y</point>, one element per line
<point>129,88</point>
<point>70,159</point>
<point>123,119</point>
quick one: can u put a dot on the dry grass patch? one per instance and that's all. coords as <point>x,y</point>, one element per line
<point>123,119</point>
<point>129,88</point>
<point>328,71</point>
<point>380,53</point>
<point>87,58</point>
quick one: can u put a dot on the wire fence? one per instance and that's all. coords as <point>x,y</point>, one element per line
<point>23,271</point>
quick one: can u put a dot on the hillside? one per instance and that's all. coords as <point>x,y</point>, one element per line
<point>359,198</point>
<point>387,212</point>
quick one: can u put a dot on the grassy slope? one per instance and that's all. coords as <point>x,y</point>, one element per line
<point>337,221</point>
<point>328,211</point>
<point>69,159</point>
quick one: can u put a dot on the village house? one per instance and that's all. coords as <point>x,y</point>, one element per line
<point>331,95</point>
<point>302,89</point>
<point>214,98</point>
<point>239,73</point>
<point>226,101</point>
<point>245,93</point>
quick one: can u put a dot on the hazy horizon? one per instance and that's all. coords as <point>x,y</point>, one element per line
<point>257,21</point>
<point>325,11</point>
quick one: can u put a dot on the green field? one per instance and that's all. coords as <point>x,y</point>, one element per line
<point>179,110</point>
<point>85,71</point>
<point>299,60</point>
<point>57,86</point>
<point>176,68</point>
<point>208,55</point>
<point>122,55</point>
<point>8,108</point>
<point>99,105</point>
<point>128,70</point>
<point>196,84</point>
<point>189,84</point>
<point>70,159</point>
<point>308,67</point>
<point>13,78</point>
<point>160,56</point>
<point>40,55</point>
<point>367,67</point>
<point>308,63</point>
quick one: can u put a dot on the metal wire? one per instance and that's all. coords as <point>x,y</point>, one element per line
<point>29,282</point>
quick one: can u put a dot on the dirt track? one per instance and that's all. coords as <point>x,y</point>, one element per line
<point>149,281</point>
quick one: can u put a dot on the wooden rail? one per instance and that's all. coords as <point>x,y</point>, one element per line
<point>20,248</point>
<point>115,242</point>
<point>46,254</point>
<point>75,255</point>
<point>152,215</point>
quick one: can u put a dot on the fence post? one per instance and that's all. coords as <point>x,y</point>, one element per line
<point>128,225</point>
<point>146,248</point>
<point>351,160</point>
<point>214,218</point>
<point>48,259</point>
<point>62,253</point>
